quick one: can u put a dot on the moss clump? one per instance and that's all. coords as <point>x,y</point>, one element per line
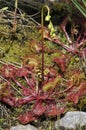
<point>14,46</point>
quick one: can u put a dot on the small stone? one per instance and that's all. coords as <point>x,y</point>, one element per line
<point>23,127</point>
<point>71,120</point>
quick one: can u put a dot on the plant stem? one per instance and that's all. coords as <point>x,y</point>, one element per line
<point>15,15</point>
<point>42,23</point>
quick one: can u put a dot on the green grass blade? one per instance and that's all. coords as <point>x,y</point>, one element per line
<point>79,7</point>
<point>84,2</point>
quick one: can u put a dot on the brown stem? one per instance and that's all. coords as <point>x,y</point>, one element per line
<point>15,17</point>
<point>42,55</point>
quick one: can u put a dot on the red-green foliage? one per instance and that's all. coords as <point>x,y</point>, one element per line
<point>45,97</point>
<point>44,102</point>
<point>49,96</point>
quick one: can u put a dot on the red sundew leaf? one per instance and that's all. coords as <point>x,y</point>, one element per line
<point>53,110</point>
<point>21,72</point>
<point>26,91</point>
<point>8,71</point>
<point>61,63</point>
<point>8,100</point>
<point>22,101</point>
<point>31,82</point>
<point>83,87</point>
<point>83,53</point>
<point>50,72</point>
<point>27,117</point>
<point>75,96</point>
<point>39,109</point>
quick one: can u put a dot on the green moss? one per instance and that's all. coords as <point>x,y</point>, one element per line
<point>14,46</point>
<point>82,103</point>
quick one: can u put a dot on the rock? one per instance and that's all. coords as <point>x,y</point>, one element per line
<point>23,127</point>
<point>71,120</point>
